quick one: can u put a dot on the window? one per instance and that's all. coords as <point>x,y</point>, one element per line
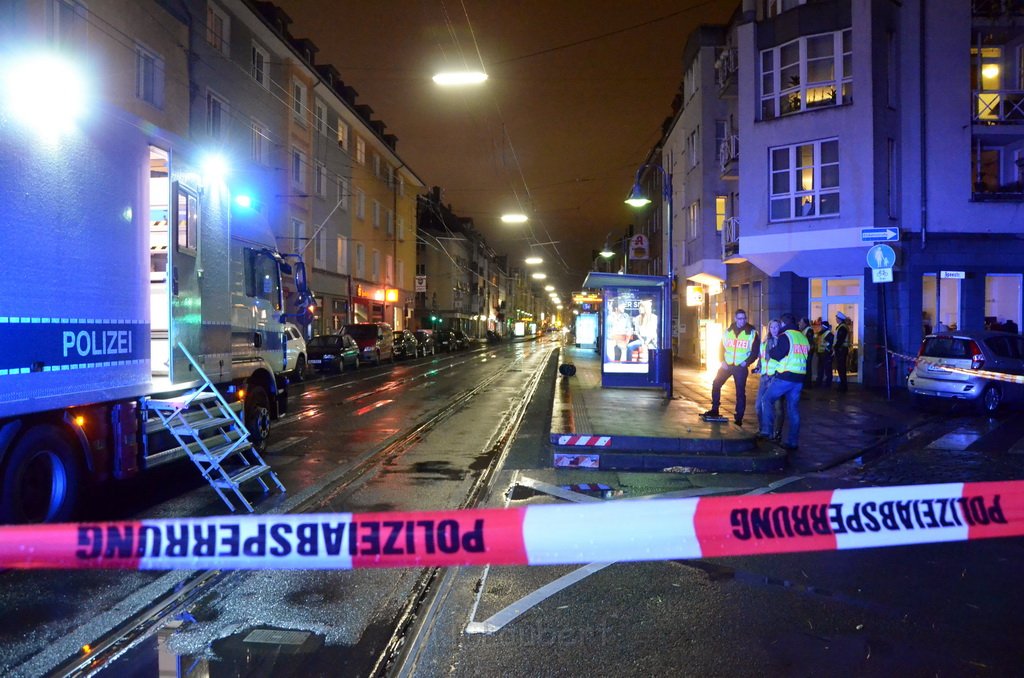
<point>217,29</point>
<point>360,260</point>
<point>377,165</point>
<point>299,102</point>
<point>186,220</point>
<point>391,222</point>
<point>298,169</point>
<point>401,229</point>
<point>342,254</point>
<point>298,239</point>
<point>360,204</point>
<point>321,117</point>
<point>720,203</point>
<point>775,7</point>
<point>389,270</point>
<point>692,219</point>
<point>807,73</point>
<point>69,23</point>
<point>691,79</point>
<point>804,180</point>
<point>260,134</point>
<point>343,193</point>
<point>320,179</point>
<point>258,69</point>
<point>946,297</point>
<point>401,184</point>
<point>343,134</point>
<point>216,116</point>
<point>320,248</point>
<point>360,151</point>
<point>693,147</point>
<point>149,82</point>
<point>262,279</point>
<point>376,214</point>
<point>375,271</point>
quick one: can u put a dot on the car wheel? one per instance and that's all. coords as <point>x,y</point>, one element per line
<point>42,478</point>
<point>300,369</point>
<point>990,399</point>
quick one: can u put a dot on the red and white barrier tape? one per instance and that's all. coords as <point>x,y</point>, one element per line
<point>546,534</point>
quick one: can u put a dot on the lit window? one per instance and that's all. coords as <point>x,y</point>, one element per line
<point>299,102</point>
<point>805,180</point>
<point>218,29</point>
<point>360,151</point>
<point>807,73</point>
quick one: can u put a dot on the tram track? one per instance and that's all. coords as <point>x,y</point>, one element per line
<point>190,592</point>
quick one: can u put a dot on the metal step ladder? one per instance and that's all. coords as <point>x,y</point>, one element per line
<point>214,437</point>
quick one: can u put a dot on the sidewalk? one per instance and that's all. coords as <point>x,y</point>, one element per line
<point>639,430</point>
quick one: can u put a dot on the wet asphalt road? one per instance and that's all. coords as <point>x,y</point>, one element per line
<point>946,609</point>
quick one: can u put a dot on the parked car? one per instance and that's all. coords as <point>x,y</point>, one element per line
<point>461,340</point>
<point>493,337</point>
<point>445,340</point>
<point>425,339</point>
<point>376,341</point>
<point>968,352</point>
<point>333,352</point>
<point>406,345</point>
<point>295,355</point>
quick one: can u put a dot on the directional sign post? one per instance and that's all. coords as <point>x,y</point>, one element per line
<point>891,234</point>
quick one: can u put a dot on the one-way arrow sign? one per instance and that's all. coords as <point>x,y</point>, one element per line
<point>879,234</point>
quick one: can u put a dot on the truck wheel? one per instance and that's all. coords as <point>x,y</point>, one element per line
<point>257,417</point>
<point>42,479</point>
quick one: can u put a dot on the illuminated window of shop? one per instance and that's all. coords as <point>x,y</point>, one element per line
<point>946,297</point>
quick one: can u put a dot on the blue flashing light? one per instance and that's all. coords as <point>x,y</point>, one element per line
<point>243,201</point>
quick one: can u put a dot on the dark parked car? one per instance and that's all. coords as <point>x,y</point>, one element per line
<point>332,352</point>
<point>406,345</point>
<point>445,340</point>
<point>425,339</point>
<point>493,337</point>
<point>461,340</point>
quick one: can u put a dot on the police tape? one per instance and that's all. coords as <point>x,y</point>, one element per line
<point>549,534</point>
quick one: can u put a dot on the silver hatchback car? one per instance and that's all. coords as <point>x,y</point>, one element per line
<point>969,352</point>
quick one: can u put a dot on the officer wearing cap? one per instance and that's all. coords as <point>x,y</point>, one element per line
<point>823,350</point>
<point>842,347</point>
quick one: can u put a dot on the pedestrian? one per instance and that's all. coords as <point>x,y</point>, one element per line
<point>808,332</point>
<point>842,348</point>
<point>767,368</point>
<point>740,347</point>
<point>791,352</point>
<point>823,343</point>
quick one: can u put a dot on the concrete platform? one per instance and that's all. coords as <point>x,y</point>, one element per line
<point>639,429</point>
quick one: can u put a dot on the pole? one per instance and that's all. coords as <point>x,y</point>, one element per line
<point>885,344</point>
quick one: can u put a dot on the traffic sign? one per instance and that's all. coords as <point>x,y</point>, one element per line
<point>891,234</point>
<point>881,256</point>
<point>881,275</point>
<point>953,275</point>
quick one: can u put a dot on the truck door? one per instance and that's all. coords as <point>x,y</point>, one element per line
<point>183,278</point>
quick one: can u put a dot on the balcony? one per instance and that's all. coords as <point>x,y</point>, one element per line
<point>726,66</point>
<point>729,156</point>
<point>731,241</point>
<point>995,107</point>
<point>995,9</point>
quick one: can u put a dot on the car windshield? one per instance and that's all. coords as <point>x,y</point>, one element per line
<point>325,342</point>
<point>363,332</point>
<point>947,347</point>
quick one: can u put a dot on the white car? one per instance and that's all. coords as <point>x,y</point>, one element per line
<point>294,352</point>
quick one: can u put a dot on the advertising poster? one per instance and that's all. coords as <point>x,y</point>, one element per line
<point>631,317</point>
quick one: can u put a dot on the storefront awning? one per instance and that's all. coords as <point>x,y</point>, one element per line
<point>706,279</point>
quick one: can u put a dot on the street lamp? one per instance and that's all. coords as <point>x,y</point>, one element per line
<point>637,198</point>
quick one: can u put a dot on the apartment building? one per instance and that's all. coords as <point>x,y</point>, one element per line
<point>858,120</point>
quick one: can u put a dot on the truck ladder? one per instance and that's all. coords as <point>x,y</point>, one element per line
<point>214,437</point>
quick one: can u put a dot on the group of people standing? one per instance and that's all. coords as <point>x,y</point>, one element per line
<point>783,360</point>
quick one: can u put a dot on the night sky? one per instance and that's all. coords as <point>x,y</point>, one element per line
<point>575,100</point>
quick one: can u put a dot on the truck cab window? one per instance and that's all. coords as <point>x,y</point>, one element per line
<point>263,278</point>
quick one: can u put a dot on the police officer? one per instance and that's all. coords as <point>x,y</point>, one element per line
<point>790,352</point>
<point>823,352</point>
<point>741,346</point>
<point>808,330</point>
<point>842,347</point>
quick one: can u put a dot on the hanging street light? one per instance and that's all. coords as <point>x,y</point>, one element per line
<point>459,78</point>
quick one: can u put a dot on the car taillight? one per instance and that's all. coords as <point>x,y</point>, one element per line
<point>977,357</point>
